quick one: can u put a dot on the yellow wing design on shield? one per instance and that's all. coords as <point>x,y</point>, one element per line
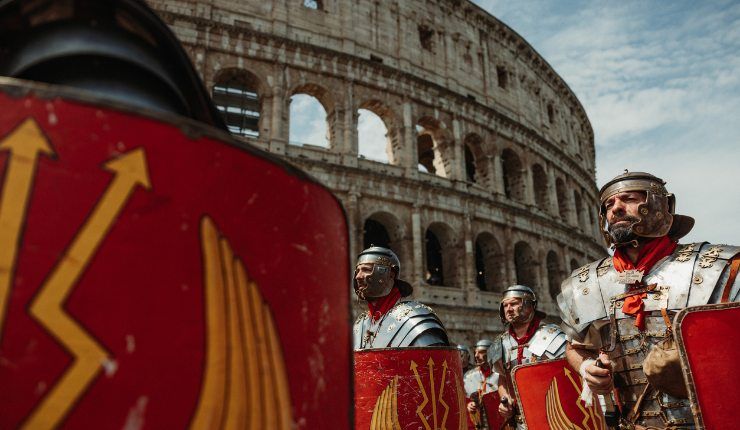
<point>556,416</point>
<point>244,383</point>
<point>385,412</point>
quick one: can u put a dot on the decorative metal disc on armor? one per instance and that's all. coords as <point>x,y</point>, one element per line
<point>156,274</point>
<point>709,344</point>
<point>549,397</point>
<point>409,388</point>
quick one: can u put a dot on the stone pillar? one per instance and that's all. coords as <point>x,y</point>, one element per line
<point>458,153</point>
<point>418,245</point>
<point>498,175</point>
<point>354,219</point>
<point>552,193</point>
<point>279,126</point>
<point>408,134</point>
<point>469,285</point>
<point>529,197</point>
<point>508,250</point>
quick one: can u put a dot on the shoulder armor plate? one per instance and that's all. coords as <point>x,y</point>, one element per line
<point>582,301</point>
<point>545,335</point>
<point>405,322</point>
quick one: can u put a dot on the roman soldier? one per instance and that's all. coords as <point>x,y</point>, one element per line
<point>391,321</point>
<point>526,339</point>
<point>479,381</point>
<point>464,357</point>
<point>617,311</point>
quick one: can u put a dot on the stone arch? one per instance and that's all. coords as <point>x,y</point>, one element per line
<point>513,175</point>
<point>392,230</point>
<point>237,94</point>
<point>574,264</point>
<point>541,189</point>
<point>476,161</point>
<point>325,101</point>
<point>393,132</point>
<point>525,265</point>
<point>441,256</point>
<point>490,264</point>
<point>554,274</point>
<point>433,147</point>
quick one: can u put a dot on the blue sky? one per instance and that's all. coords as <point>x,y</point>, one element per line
<point>660,82</point>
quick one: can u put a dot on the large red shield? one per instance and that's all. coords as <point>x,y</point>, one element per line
<point>490,402</point>
<point>156,274</point>
<point>709,344</point>
<point>409,388</point>
<point>549,393</point>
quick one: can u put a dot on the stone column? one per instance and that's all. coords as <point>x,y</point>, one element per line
<point>498,175</point>
<point>552,193</point>
<point>408,134</point>
<point>418,245</point>
<point>529,197</point>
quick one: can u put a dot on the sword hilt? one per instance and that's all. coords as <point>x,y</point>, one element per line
<point>611,411</point>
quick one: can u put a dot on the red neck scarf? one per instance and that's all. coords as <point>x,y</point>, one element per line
<point>485,369</point>
<point>522,342</point>
<point>383,304</point>
<point>650,253</point>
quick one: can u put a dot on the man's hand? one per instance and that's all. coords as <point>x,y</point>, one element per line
<point>506,410</point>
<point>599,379</point>
<point>472,408</point>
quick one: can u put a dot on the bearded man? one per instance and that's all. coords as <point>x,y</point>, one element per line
<point>526,339</point>
<point>391,321</point>
<point>619,310</point>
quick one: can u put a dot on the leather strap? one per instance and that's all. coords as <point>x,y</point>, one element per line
<point>734,266</point>
<point>667,320</point>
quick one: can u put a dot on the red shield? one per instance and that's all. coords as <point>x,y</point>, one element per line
<point>549,393</point>
<point>709,344</point>
<point>156,274</point>
<point>490,403</point>
<point>409,388</point>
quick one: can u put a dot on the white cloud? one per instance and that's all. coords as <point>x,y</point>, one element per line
<point>307,121</point>
<point>659,82</point>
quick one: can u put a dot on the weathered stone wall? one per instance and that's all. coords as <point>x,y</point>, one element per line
<point>470,81</point>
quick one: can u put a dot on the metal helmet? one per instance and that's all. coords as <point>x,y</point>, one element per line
<point>657,214</point>
<point>522,291</point>
<point>386,268</point>
<point>483,344</point>
<point>118,50</point>
<point>464,353</point>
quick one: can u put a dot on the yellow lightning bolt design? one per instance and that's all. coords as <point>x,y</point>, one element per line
<point>423,393</point>
<point>441,394</point>
<point>129,171</point>
<point>25,144</point>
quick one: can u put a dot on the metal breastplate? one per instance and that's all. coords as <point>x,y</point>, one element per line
<point>548,342</point>
<point>475,382</point>
<point>401,326</point>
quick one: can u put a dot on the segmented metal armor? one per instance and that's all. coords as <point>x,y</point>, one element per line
<point>476,382</point>
<point>591,297</point>
<point>547,343</point>
<point>408,323</point>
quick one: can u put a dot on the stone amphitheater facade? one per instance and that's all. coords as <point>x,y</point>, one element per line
<point>511,197</point>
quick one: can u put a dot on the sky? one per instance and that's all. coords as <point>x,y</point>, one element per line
<point>659,81</point>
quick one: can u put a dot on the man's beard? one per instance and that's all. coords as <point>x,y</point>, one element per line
<point>624,234</point>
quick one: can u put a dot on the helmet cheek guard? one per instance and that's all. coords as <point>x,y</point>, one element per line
<point>385,269</point>
<point>656,215</point>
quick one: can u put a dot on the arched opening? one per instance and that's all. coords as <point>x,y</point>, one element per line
<point>539,178</point>
<point>313,4</point>
<point>236,96</point>
<point>489,263</point>
<point>476,162</point>
<point>374,233</point>
<point>525,264</point>
<point>434,259</point>
<point>309,122</point>
<point>513,175</point>
<point>372,137</point>
<point>469,165</point>
<point>562,199</point>
<point>384,229</point>
<point>442,256</point>
<point>431,143</point>
<point>574,265</point>
<point>554,274</point>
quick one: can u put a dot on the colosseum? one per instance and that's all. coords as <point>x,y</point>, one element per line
<point>486,177</point>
